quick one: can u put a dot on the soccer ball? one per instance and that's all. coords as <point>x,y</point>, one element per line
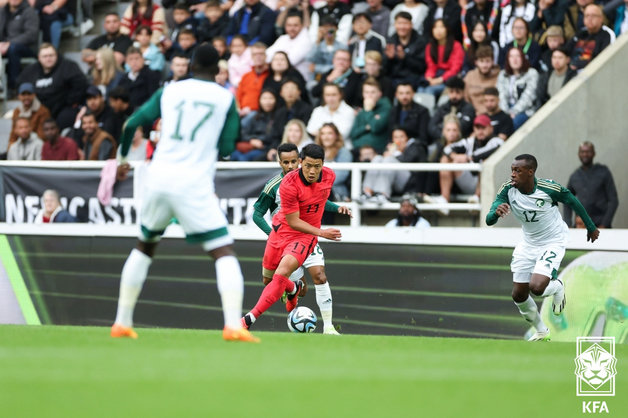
<point>302,319</point>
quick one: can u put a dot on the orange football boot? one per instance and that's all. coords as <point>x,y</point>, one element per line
<point>120,331</point>
<point>239,334</point>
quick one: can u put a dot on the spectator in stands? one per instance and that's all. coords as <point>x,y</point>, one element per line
<point>222,78</point>
<point>53,16</point>
<point>141,82</point>
<point>551,82</point>
<point>295,43</point>
<point>517,84</point>
<point>56,147</point>
<point>294,133</point>
<point>380,185</point>
<point>106,74</point>
<point>120,103</point>
<point>517,8</point>
<point>144,12</point>
<point>240,61</point>
<point>107,119</point>
<point>477,80</point>
<point>405,52</point>
<point>449,11</point>
<point>293,108</point>
<point>479,11</point>
<point>589,42</point>
<point>476,149</point>
<point>112,38</point>
<point>416,9</point>
<point>548,13</point>
<point>30,107</point>
<point>409,215</point>
<point>330,138</point>
<point>185,44</point>
<point>152,55</point>
<point>333,109</point>
<point>179,68</point>
<point>28,146</point>
<point>19,31</point>
<point>500,120</point>
<point>364,40</point>
<point>444,58</point>
<point>374,68</point>
<point>409,115</point>
<point>290,8</point>
<point>250,86</point>
<point>478,37</point>
<point>456,106</point>
<point>52,211</point>
<point>255,134</point>
<point>575,18</point>
<point>138,148</point>
<point>371,123</point>
<point>594,187</point>
<point>214,23</point>
<point>380,16</point>
<point>340,12</point>
<point>59,84</point>
<point>554,38</point>
<point>98,144</point>
<point>451,134</point>
<point>621,19</point>
<point>321,55</point>
<point>183,20</point>
<point>522,39</point>
<point>281,70</point>
<point>254,20</point>
<point>343,75</point>
<point>220,44</point>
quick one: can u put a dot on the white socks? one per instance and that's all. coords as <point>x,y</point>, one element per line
<point>531,314</point>
<point>552,287</point>
<point>231,288</point>
<point>324,301</point>
<point>133,276</point>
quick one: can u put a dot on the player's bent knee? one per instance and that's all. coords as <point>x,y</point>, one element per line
<point>222,252</point>
<point>537,289</point>
<point>519,297</point>
<point>320,277</point>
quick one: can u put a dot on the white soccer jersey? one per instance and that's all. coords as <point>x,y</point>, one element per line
<point>538,211</point>
<point>193,114</point>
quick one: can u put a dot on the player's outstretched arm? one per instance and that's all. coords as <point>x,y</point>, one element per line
<point>565,196</point>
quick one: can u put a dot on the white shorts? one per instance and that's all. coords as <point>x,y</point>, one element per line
<point>196,209</point>
<point>528,259</point>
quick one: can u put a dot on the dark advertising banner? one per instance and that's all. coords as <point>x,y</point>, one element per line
<point>22,187</point>
<point>377,289</point>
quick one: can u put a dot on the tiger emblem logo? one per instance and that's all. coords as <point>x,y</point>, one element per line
<point>595,366</point>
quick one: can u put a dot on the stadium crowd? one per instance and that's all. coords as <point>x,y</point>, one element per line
<point>375,81</point>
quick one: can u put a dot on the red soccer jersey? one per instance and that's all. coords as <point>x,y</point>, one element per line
<point>297,194</point>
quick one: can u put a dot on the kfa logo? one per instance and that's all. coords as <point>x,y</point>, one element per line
<point>595,366</point>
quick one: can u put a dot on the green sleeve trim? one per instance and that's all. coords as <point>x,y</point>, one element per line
<point>145,115</point>
<point>264,204</point>
<point>331,207</point>
<point>502,197</point>
<point>563,195</point>
<point>230,132</point>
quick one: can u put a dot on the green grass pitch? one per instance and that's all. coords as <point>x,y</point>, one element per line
<point>57,371</point>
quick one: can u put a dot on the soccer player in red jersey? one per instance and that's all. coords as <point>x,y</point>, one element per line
<point>296,228</point>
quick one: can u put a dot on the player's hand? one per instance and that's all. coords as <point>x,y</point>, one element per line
<point>123,171</point>
<point>502,210</point>
<point>331,234</point>
<point>592,236</point>
<point>344,210</point>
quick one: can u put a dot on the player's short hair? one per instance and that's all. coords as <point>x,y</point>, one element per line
<point>529,159</point>
<point>287,147</point>
<point>313,151</point>
<point>205,60</point>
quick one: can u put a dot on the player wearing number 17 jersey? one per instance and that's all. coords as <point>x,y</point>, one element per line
<point>295,229</point>
<point>535,260</point>
<point>199,120</point>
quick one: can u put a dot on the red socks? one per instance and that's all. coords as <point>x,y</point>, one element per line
<point>271,294</point>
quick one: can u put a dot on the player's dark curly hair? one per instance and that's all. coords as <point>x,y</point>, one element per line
<point>313,151</point>
<point>287,147</point>
<point>529,159</point>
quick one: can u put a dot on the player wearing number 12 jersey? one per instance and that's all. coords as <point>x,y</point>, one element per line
<point>199,121</point>
<point>535,260</point>
<point>295,229</point>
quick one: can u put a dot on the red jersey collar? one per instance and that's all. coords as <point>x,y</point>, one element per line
<point>304,180</point>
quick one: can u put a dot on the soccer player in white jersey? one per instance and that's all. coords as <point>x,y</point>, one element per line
<point>535,260</point>
<point>199,121</point>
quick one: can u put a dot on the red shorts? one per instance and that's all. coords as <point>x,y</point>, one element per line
<point>300,246</point>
